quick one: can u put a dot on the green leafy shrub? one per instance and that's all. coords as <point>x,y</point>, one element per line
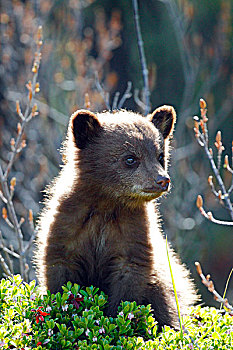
<point>75,319</point>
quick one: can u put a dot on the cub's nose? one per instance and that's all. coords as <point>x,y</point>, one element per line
<point>163,182</point>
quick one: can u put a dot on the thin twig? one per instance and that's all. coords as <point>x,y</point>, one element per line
<point>210,217</point>
<point>15,149</point>
<point>231,187</point>
<point>14,219</point>
<point>115,100</point>
<point>2,197</point>
<point>201,133</point>
<point>10,252</point>
<point>116,105</point>
<point>219,179</point>
<point>210,182</point>
<point>52,113</point>
<point>210,285</point>
<point>5,267</point>
<point>16,146</point>
<point>25,119</point>
<point>127,94</point>
<point>137,100</point>
<point>6,251</point>
<point>30,242</point>
<point>142,58</point>
<point>104,94</point>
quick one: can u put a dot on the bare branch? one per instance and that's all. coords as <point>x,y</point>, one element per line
<point>53,113</point>
<point>6,251</point>
<point>26,118</point>
<point>208,215</point>
<point>30,242</point>
<point>2,197</point>
<point>201,133</point>
<point>225,195</point>
<point>142,58</point>
<point>4,266</point>
<point>210,285</point>
<point>115,100</point>
<point>15,223</point>
<point>103,93</point>
<point>137,100</point>
<point>127,94</point>
<point>210,182</point>
<point>16,147</point>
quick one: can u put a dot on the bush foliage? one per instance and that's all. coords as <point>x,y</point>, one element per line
<point>75,319</point>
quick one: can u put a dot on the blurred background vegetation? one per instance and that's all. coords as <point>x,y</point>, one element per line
<point>189,56</point>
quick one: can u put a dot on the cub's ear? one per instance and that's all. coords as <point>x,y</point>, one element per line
<point>85,126</point>
<point>164,119</point>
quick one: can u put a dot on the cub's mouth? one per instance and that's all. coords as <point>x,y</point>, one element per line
<point>150,193</point>
<point>155,191</point>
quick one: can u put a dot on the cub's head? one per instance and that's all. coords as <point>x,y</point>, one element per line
<point>123,155</point>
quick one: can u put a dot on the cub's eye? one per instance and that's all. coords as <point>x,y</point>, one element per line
<point>161,159</point>
<point>130,160</point>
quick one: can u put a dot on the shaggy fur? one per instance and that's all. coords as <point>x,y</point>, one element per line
<point>100,227</point>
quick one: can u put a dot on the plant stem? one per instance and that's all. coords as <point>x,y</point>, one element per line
<point>175,292</point>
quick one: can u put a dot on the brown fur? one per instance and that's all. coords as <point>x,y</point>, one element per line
<point>99,226</point>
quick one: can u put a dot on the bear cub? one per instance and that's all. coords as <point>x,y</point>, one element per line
<point>100,226</point>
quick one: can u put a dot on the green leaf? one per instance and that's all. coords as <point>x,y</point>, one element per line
<point>69,285</point>
<point>58,299</point>
<point>215,336</point>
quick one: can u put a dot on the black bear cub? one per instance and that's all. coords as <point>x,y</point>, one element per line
<point>100,226</point>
